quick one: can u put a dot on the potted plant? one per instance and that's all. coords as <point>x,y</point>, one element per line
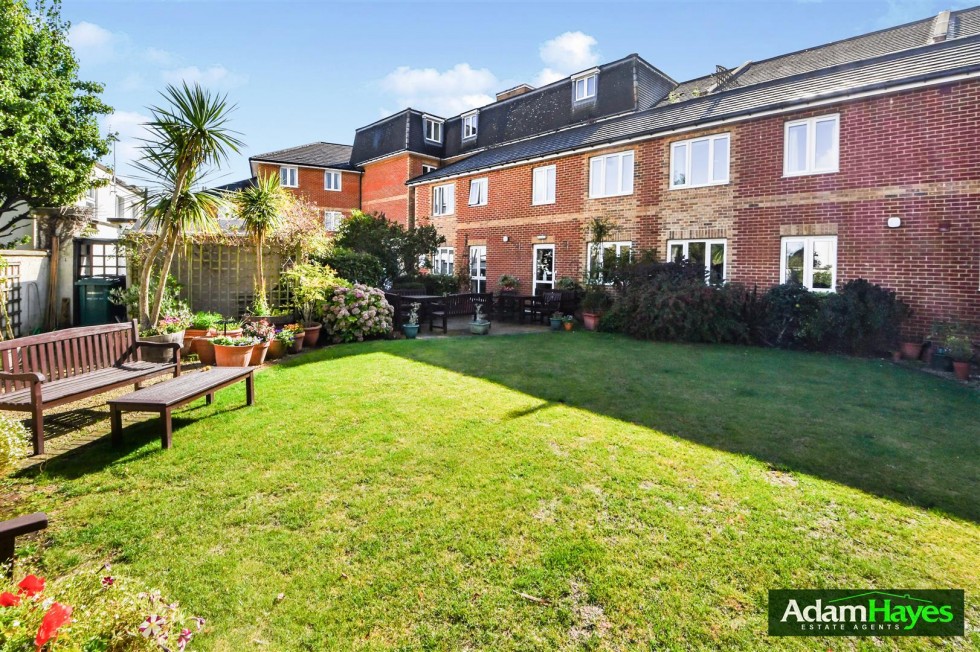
<point>281,342</point>
<point>202,324</point>
<point>169,329</point>
<point>509,283</point>
<point>309,284</point>
<point>479,325</point>
<point>298,336</point>
<point>262,332</point>
<point>556,319</point>
<point>232,351</point>
<point>961,351</point>
<point>594,303</point>
<point>911,350</point>
<point>411,327</point>
<point>568,322</point>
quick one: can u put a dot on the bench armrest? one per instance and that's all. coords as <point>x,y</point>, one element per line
<point>25,377</point>
<point>23,525</point>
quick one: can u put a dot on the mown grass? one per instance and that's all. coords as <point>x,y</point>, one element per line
<point>553,491</point>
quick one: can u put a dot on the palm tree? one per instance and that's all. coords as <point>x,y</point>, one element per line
<point>175,216</point>
<point>189,134</point>
<point>260,207</point>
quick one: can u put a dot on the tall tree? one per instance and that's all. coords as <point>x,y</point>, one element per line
<point>187,136</point>
<point>49,132</point>
<point>261,208</point>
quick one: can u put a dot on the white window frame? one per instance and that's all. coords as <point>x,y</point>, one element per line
<point>447,205</point>
<point>584,78</point>
<point>478,281</point>
<point>120,207</point>
<point>619,245</point>
<point>689,161</point>
<point>436,128</point>
<point>332,218</point>
<point>444,261</point>
<point>426,168</point>
<point>811,145</point>
<point>332,174</point>
<point>482,188</point>
<point>548,175</point>
<point>808,241</point>
<point>284,173</point>
<point>621,191</point>
<point>685,244</point>
<point>471,122</point>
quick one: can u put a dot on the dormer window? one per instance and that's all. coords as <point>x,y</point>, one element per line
<point>584,85</point>
<point>433,129</point>
<point>470,124</point>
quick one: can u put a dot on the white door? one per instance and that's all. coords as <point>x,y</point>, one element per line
<point>544,267</point>
<point>478,269</point>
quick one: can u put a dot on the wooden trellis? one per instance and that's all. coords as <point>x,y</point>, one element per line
<point>221,277</point>
<point>10,320</point>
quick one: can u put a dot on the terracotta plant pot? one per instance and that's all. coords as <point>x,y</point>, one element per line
<point>896,356</point>
<point>161,355</point>
<point>192,334</point>
<point>297,345</point>
<point>259,352</point>
<point>568,325</point>
<point>911,350</point>
<point>590,320</point>
<point>204,349</point>
<point>312,335</point>
<point>277,349</point>
<point>961,369</point>
<point>232,356</point>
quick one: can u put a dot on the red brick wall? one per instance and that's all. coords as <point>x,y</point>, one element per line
<point>912,155</point>
<point>383,189</point>
<point>311,188</point>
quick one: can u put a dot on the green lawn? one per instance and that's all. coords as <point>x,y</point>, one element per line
<point>419,494</point>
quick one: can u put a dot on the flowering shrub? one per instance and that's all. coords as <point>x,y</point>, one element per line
<point>13,442</point>
<point>261,330</point>
<point>90,610</point>
<point>353,314</point>
<point>169,324</point>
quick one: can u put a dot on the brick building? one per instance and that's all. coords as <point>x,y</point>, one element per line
<point>856,159</point>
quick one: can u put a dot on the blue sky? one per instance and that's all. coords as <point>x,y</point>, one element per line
<point>308,71</point>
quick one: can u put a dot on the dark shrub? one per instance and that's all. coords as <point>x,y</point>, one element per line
<point>671,305</point>
<point>440,283</point>
<point>789,309</point>
<point>355,266</point>
<point>860,319</point>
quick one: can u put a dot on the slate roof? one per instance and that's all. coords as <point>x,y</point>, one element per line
<point>235,186</point>
<point>320,155</point>
<point>900,55</point>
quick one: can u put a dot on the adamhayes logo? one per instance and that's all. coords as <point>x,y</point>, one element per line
<point>891,612</point>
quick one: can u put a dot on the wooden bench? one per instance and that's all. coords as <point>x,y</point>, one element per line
<point>15,527</point>
<point>457,305</point>
<point>43,371</point>
<point>163,398</point>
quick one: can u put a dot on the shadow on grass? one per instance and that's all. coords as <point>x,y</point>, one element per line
<point>869,424</point>
<point>138,441</point>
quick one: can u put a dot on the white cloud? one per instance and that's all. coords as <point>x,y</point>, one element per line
<point>214,76</point>
<point>92,43</point>
<point>129,127</point>
<point>568,53</point>
<point>446,93</point>
<point>158,56</point>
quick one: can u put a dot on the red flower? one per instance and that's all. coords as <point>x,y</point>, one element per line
<point>57,616</point>
<point>9,599</point>
<point>31,585</point>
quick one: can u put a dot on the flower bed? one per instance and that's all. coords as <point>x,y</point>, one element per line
<point>90,610</point>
